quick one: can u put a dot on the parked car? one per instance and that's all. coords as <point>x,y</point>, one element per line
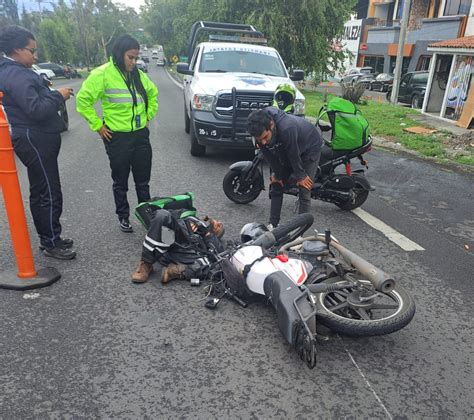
<point>145,58</point>
<point>382,82</point>
<point>412,88</point>
<point>46,73</point>
<point>141,65</point>
<point>366,80</point>
<point>59,70</point>
<point>73,71</point>
<point>354,74</point>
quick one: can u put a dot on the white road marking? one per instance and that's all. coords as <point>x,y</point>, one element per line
<point>366,381</point>
<point>396,237</point>
<point>31,296</point>
<point>174,81</point>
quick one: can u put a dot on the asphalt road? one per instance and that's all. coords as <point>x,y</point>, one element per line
<point>94,345</point>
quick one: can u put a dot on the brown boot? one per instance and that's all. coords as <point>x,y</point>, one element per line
<point>142,272</point>
<point>173,271</point>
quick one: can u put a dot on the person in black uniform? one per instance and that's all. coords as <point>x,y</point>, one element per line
<point>291,146</point>
<point>180,244</point>
<point>32,110</point>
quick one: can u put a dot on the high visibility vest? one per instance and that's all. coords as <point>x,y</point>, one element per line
<point>107,84</point>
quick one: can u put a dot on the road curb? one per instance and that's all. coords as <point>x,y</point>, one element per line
<point>382,143</point>
<point>174,78</point>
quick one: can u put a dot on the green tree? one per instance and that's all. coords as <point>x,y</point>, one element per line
<point>55,41</point>
<point>302,31</point>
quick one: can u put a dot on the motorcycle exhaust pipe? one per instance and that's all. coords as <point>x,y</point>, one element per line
<point>379,279</point>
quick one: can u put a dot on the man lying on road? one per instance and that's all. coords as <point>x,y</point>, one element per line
<point>180,244</point>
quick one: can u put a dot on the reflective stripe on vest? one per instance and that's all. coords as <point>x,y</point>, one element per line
<point>122,99</point>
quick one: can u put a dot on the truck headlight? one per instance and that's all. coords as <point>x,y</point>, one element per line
<point>203,102</point>
<point>299,106</point>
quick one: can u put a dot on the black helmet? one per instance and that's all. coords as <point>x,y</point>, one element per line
<point>196,225</point>
<point>252,231</point>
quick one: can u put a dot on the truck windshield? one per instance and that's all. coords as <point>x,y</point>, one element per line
<point>241,59</point>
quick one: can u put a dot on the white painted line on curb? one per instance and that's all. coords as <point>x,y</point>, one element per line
<point>396,237</point>
<point>174,81</point>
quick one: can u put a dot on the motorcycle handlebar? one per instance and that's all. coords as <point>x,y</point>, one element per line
<point>325,287</point>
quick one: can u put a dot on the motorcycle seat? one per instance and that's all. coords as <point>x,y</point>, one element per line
<point>328,154</point>
<point>314,248</point>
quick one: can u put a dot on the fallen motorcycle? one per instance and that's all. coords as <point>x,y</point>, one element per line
<point>308,280</point>
<point>244,181</point>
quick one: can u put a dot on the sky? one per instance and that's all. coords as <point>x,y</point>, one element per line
<point>132,3</point>
<point>33,4</point>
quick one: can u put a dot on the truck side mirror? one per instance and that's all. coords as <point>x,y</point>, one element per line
<point>183,68</point>
<point>297,75</point>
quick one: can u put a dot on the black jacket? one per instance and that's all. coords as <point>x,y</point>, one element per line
<point>297,141</point>
<point>27,99</point>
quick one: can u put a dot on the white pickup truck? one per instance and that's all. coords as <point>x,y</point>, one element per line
<point>223,83</point>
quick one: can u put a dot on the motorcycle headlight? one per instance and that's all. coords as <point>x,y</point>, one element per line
<point>203,102</point>
<point>299,106</point>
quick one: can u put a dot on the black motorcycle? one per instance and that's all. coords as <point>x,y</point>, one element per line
<point>244,181</point>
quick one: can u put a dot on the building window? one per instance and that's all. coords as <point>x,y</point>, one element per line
<point>423,63</point>
<point>399,14</point>
<point>374,61</point>
<point>405,64</point>
<point>433,10</point>
<point>457,7</point>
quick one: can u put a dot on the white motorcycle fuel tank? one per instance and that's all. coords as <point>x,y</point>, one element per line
<point>297,270</point>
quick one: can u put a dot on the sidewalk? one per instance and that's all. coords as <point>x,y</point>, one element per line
<point>440,124</point>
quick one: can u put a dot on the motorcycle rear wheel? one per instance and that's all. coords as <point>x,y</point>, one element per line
<point>392,312</point>
<point>360,191</point>
<point>237,193</point>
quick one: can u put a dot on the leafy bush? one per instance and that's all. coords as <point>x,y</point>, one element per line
<point>352,93</point>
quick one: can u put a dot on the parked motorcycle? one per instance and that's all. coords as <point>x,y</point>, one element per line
<point>308,280</point>
<point>244,181</point>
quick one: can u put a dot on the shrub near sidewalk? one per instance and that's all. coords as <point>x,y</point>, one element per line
<point>388,121</point>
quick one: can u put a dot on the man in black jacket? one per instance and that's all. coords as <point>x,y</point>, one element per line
<point>33,114</point>
<point>292,146</point>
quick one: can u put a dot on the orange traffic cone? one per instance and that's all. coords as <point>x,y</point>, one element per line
<point>27,277</point>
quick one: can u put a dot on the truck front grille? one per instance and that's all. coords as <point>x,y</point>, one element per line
<point>246,103</point>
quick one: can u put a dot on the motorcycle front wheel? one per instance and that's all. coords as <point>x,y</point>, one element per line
<point>385,314</point>
<point>240,193</point>
<point>360,194</point>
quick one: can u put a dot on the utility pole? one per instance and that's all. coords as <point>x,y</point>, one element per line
<point>401,46</point>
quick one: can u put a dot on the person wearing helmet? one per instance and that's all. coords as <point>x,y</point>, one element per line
<point>292,147</point>
<point>284,98</point>
<point>180,245</point>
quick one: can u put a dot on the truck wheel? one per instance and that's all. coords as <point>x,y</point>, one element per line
<point>186,120</point>
<point>196,149</point>
<point>415,102</point>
